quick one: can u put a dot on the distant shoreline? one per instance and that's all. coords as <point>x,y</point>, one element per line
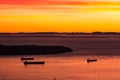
<point>61,35</point>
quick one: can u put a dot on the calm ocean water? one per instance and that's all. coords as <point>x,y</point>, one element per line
<point>62,68</point>
<point>67,66</point>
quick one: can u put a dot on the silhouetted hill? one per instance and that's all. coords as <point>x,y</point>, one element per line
<point>32,50</point>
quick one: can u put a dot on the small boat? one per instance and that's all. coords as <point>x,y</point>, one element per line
<point>91,60</point>
<point>34,62</point>
<point>54,78</point>
<point>27,58</point>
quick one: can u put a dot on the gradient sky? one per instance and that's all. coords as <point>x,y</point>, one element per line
<point>59,15</point>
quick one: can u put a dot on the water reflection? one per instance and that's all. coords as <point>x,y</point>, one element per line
<point>62,68</point>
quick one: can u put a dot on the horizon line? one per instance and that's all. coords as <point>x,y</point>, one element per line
<point>59,32</point>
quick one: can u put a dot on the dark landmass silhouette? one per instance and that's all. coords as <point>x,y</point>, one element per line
<point>61,35</point>
<point>32,50</point>
<point>97,32</point>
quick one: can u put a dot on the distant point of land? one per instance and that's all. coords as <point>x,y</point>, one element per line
<point>32,50</point>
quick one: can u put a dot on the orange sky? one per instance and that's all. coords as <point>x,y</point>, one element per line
<point>59,15</point>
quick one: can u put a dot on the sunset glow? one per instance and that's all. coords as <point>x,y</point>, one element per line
<point>59,15</point>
